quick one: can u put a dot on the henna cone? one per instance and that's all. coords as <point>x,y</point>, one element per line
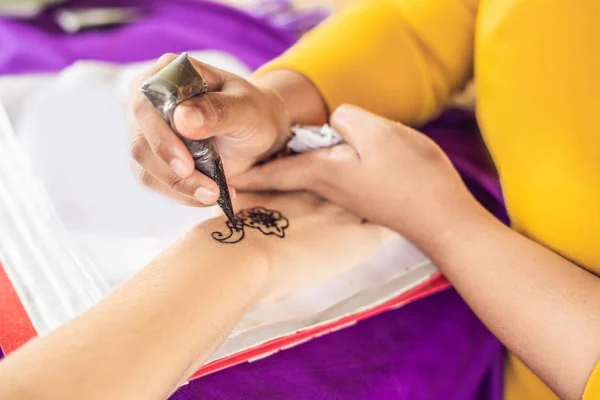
<point>174,84</point>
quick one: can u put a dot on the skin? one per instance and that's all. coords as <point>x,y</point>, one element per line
<point>148,336</point>
<point>542,306</point>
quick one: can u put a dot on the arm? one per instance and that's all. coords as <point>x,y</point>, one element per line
<point>152,333</point>
<point>155,331</point>
<point>543,307</point>
<point>397,58</point>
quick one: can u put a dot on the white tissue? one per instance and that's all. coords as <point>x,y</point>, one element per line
<point>313,137</point>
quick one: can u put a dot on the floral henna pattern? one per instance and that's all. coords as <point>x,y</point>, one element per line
<point>269,222</point>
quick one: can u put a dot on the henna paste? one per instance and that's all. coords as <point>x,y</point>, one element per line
<point>268,222</point>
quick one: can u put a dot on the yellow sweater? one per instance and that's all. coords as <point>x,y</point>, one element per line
<point>536,65</point>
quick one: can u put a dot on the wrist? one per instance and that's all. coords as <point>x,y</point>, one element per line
<point>301,97</point>
<point>281,117</point>
<point>248,259</point>
<point>434,228</point>
<point>295,101</point>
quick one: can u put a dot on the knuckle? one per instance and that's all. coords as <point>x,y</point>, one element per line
<point>250,102</point>
<point>166,59</point>
<point>175,182</point>
<point>139,104</point>
<point>385,134</point>
<point>161,148</point>
<point>214,109</point>
<point>144,177</point>
<point>141,175</point>
<point>342,154</point>
<point>139,147</point>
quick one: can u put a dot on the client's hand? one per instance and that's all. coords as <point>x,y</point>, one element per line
<point>387,173</point>
<point>305,239</point>
<point>247,122</point>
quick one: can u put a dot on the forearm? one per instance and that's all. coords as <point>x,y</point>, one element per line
<point>149,335</point>
<point>541,306</point>
<point>399,59</point>
<point>301,97</point>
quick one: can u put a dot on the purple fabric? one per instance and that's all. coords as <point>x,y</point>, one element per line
<point>456,131</point>
<point>167,26</point>
<point>434,348</point>
<point>284,14</point>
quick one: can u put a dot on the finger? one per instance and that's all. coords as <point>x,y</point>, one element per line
<point>316,170</point>
<point>213,114</point>
<point>285,174</point>
<point>151,182</point>
<point>163,142</point>
<point>357,126</point>
<point>159,187</point>
<point>197,185</point>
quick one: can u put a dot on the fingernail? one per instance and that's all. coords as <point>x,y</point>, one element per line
<point>180,168</point>
<point>206,195</point>
<point>232,192</point>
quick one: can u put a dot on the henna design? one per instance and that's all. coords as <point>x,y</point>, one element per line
<point>236,234</point>
<point>268,222</point>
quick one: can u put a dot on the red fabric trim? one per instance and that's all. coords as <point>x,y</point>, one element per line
<point>435,284</point>
<point>16,328</point>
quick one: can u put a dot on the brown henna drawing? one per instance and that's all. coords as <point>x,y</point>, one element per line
<point>268,222</point>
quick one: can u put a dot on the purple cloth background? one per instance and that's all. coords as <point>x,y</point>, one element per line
<point>432,349</point>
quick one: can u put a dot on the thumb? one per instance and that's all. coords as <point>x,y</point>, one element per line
<point>299,172</point>
<point>211,114</point>
<point>357,126</point>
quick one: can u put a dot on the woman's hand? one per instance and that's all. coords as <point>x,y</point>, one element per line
<point>247,121</point>
<point>386,172</point>
<point>396,176</point>
<point>306,240</point>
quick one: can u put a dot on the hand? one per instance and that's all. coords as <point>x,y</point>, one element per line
<point>388,173</point>
<point>247,122</point>
<point>321,240</point>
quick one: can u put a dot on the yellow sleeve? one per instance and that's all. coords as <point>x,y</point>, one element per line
<point>398,58</point>
<point>592,390</point>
